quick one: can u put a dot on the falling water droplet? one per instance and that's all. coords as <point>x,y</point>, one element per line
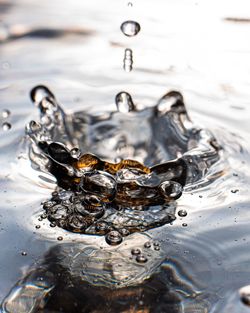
<point>128,60</point>
<point>130,28</point>
<point>245,295</point>
<point>6,126</point>
<point>113,238</point>
<point>141,258</point>
<point>5,113</point>
<point>182,213</point>
<point>124,102</point>
<point>40,92</point>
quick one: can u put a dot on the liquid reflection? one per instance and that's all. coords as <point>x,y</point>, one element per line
<point>83,278</point>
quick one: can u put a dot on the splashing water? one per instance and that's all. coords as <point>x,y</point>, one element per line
<point>96,196</point>
<point>191,257</point>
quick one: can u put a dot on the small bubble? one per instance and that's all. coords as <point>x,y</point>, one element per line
<point>40,219</point>
<point>130,4</point>
<point>38,226</point>
<point>147,245</point>
<point>182,213</point>
<point>156,244</point>
<point>130,28</point>
<point>184,224</point>
<point>5,113</point>
<point>171,189</point>
<point>6,126</point>
<point>141,258</point>
<point>157,248</point>
<point>245,295</point>
<point>23,253</point>
<point>200,196</point>
<point>52,224</point>
<point>135,251</point>
<point>128,60</point>
<point>60,238</point>
<point>113,238</point>
<point>124,102</point>
<point>75,153</point>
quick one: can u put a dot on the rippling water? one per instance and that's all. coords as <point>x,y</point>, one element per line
<point>198,48</point>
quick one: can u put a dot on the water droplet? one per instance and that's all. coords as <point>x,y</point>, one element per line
<point>113,238</point>
<point>171,189</point>
<point>5,113</point>
<point>184,225</point>
<point>147,245</point>
<point>23,253</point>
<point>38,226</point>
<point>156,244</point>
<point>130,28</point>
<point>75,153</point>
<point>128,60</point>
<point>141,258</point>
<point>38,93</point>
<point>182,213</point>
<point>6,126</point>
<point>124,102</point>
<point>60,238</point>
<point>52,224</point>
<point>135,251</point>
<point>157,248</point>
<point>245,295</point>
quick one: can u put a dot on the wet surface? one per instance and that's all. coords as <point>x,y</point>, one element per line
<point>202,259</point>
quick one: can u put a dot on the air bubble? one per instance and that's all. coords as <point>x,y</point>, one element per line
<point>147,245</point>
<point>182,213</point>
<point>128,60</point>
<point>130,4</point>
<point>23,253</point>
<point>60,238</point>
<point>5,113</point>
<point>130,28</point>
<point>113,238</point>
<point>184,224</point>
<point>141,258</point>
<point>75,153</point>
<point>38,226</point>
<point>171,189</point>
<point>6,126</point>
<point>124,102</point>
<point>135,251</point>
